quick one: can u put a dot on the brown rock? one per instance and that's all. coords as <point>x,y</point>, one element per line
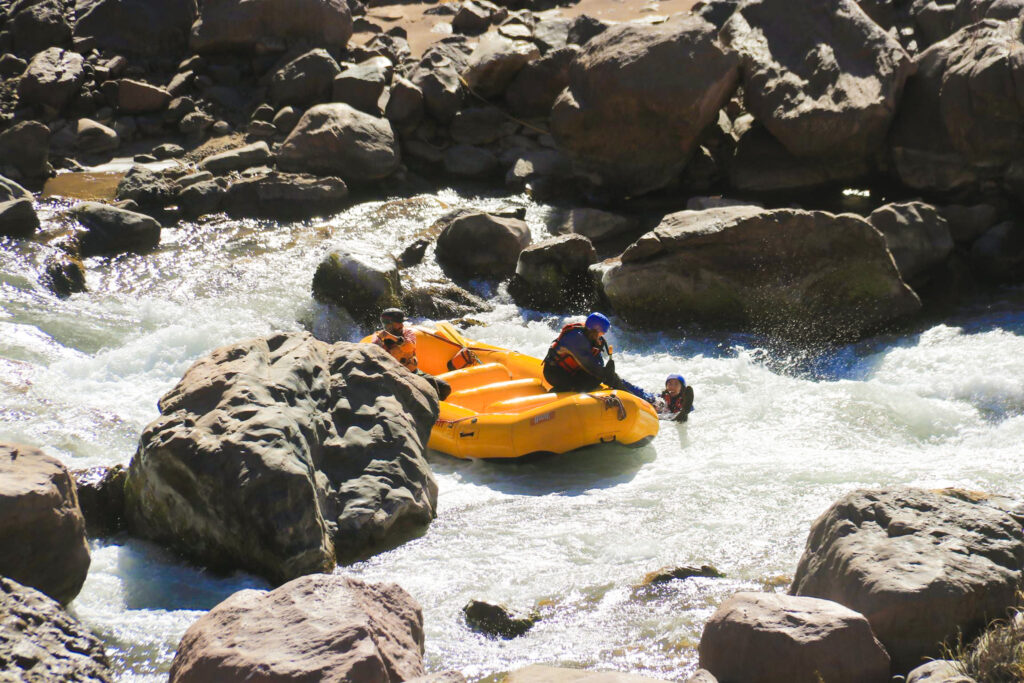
<point>476,244</point>
<point>52,79</point>
<point>495,62</point>
<point>136,97</point>
<point>242,25</point>
<point>25,146</point>
<point>552,274</point>
<point>144,27</point>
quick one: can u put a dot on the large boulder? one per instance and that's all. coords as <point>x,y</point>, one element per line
<point>820,75</point>
<point>42,532</point>
<point>18,218</point>
<point>362,85</point>
<point>537,85</point>
<point>916,234</point>
<point>338,140</point>
<point>552,275</point>
<point>922,566</point>
<point>38,24</point>
<point>304,80</point>
<point>146,188</point>
<point>39,641</point>
<point>315,628</point>
<point>639,98</point>
<point>477,244</point>
<point>112,230</point>
<point>773,638</point>
<point>25,148</point>
<point>361,283</point>
<point>998,255</point>
<point>92,137</point>
<point>495,62</point>
<point>285,196</point>
<point>53,78</point>
<point>282,454</point>
<point>141,27</point>
<point>960,117</point>
<point>243,25</point>
<point>799,275</point>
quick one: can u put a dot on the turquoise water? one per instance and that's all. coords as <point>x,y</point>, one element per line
<point>776,438</point>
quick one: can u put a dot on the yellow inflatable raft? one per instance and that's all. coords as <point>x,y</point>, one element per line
<point>500,406</point>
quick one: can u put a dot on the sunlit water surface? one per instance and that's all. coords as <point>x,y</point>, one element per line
<point>775,439</point>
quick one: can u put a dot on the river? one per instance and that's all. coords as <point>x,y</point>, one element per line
<point>776,438</point>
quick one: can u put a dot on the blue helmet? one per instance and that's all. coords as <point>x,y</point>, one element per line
<point>598,321</point>
<point>676,375</point>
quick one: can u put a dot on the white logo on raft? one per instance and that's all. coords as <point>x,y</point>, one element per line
<point>543,417</point>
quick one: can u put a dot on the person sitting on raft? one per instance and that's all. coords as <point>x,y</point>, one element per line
<point>575,362</point>
<point>677,399</point>
<point>400,342</point>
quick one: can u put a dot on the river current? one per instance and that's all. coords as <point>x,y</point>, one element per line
<point>776,438</point>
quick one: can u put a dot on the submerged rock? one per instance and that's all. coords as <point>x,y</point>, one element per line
<point>321,627</point>
<point>64,274</point>
<point>101,497</point>
<point>285,196</point>
<point>42,532</point>
<point>280,454</point>
<point>497,620</point>
<point>922,566</point>
<point>110,230</point>
<point>666,574</point>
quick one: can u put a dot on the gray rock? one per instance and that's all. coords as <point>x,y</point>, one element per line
<point>583,28</point>
<point>261,129</point>
<point>11,190</point>
<point>141,27</point>
<point>36,26</point>
<point>471,18</point>
<point>920,565</point>
<point>805,640</point>
<point>917,235</point>
<point>64,275</point>
<point>196,122</point>
<point>552,33</point>
<point>278,455</point>
<point>968,223</point>
<point>437,77</point>
<point>285,119</point>
<point>938,671</point>
<point>110,230</point>
<point>469,161</point>
<point>26,147</point>
<point>361,86</point>
<point>92,137</point>
<point>101,497</point>
<point>363,284</point>
<point>497,620</point>
<point>998,255</point>
<point>52,79</point>
<point>238,159</point>
<point>476,244</point>
<point>18,218</point>
<point>11,66</point>
<point>440,302</point>
<point>597,225</point>
<point>321,627</point>
<point>552,275</point>
<point>495,62</point>
<point>337,140</point>
<point>285,196</point>
<point>405,104</point>
<point>305,80</point>
<point>542,172</point>
<point>481,125</point>
<point>201,198</point>
<point>533,91</point>
<point>39,641</point>
<point>138,97</point>
<point>42,532</point>
<point>168,150</point>
<point>146,188</point>
<point>244,25</point>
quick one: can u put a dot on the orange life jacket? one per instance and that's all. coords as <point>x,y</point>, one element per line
<point>562,357</point>
<point>404,351</point>
<point>673,402</point>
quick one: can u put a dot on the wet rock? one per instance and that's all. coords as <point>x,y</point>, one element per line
<point>481,125</point>
<point>362,284</point>
<point>920,565</point>
<point>285,196</point>
<point>405,104</point>
<point>278,455</point>
<point>337,140</point>
<point>918,237</point>
<point>413,254</point>
<point>825,81</point>
<point>111,230</point>
<point>538,673</point>
<point>744,267</point>
<point>200,199</point>
<point>552,275</point>
<point>18,218</point>
<point>497,620</point>
<point>804,639</point>
<point>495,62</point>
<point>36,26</point>
<point>666,574</point>
<point>319,627</point>
<point>245,26</point>
<point>64,275</point>
<point>597,225</point>
<point>439,302</point>
<point>101,497</point>
<point>39,641</point>
<point>967,223</point>
<point>52,79</point>
<point>998,255</point>
<point>938,671</point>
<point>638,100</point>
<point>238,159</point>
<point>146,188</point>
<point>469,161</point>
<point>42,533</point>
<point>92,137</point>
<point>25,147</point>
<point>361,86</point>
<point>533,91</point>
<point>139,27</point>
<point>305,80</point>
<point>476,244</point>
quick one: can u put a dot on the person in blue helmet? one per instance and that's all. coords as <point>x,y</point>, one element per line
<point>575,360</point>
<point>677,399</point>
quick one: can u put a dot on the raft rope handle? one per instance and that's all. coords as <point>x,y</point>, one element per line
<point>612,401</point>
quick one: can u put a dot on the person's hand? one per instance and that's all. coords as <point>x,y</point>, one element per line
<point>610,366</point>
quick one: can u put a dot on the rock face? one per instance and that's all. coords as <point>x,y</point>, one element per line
<point>552,275</point>
<point>285,196</point>
<point>959,120</point>
<point>476,244</point>
<point>315,628</point>
<point>638,100</point>
<point>920,565</point>
<point>53,77</point>
<point>110,230</point>
<point>142,27</point>
<point>803,275</point>
<point>918,237</point>
<point>42,532</point>
<point>337,140</point>
<point>772,638</point>
<point>279,454</point>
<point>39,641</point>
<point>824,80</point>
<point>362,284</point>
<point>226,25</point>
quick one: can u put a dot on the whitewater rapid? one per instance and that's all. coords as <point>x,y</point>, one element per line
<point>776,438</point>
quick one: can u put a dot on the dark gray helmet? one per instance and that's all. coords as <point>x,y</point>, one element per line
<point>392,315</point>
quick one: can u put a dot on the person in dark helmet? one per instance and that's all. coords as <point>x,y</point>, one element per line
<point>677,399</point>
<point>574,361</point>
<point>400,342</point>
